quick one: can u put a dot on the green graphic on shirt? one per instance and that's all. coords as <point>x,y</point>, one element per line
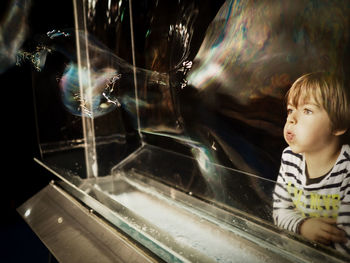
<point>313,204</point>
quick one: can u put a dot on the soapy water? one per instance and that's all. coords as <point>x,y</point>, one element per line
<point>184,230</point>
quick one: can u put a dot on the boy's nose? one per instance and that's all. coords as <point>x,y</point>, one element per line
<point>292,118</point>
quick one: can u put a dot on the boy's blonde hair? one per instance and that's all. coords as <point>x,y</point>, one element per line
<point>328,91</point>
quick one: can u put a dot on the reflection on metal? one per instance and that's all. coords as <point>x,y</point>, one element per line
<point>74,234</point>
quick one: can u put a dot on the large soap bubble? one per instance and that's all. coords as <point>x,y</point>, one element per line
<point>254,50</point>
<point>100,85</point>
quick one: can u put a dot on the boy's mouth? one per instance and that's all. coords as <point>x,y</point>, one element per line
<point>289,136</point>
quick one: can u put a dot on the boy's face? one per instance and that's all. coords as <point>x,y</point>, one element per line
<point>308,127</point>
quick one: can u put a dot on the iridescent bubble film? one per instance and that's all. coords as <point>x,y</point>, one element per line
<point>100,85</point>
<point>255,49</point>
<point>13,32</point>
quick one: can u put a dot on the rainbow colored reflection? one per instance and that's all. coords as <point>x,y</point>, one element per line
<point>98,96</point>
<point>254,49</point>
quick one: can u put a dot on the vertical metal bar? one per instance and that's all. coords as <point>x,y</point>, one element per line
<point>84,65</point>
<point>134,70</point>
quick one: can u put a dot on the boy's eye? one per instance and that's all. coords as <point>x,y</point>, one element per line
<point>289,111</point>
<point>307,111</point>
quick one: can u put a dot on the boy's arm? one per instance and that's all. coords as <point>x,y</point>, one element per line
<point>285,214</point>
<point>343,220</point>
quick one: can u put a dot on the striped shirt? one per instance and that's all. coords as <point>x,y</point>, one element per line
<point>295,200</point>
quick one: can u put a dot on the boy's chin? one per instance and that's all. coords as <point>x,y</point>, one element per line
<point>296,149</point>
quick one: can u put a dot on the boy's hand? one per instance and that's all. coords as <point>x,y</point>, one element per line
<point>323,230</point>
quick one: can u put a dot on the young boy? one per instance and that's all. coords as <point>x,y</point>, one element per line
<point>312,193</point>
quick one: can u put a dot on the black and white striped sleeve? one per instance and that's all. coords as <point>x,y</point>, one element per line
<point>343,220</point>
<point>285,214</point>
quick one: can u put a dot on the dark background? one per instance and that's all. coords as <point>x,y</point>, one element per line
<point>21,176</point>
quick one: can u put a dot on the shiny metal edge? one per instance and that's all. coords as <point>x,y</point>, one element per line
<point>73,233</point>
<point>114,218</point>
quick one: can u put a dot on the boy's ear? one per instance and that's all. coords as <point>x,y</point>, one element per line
<point>339,132</point>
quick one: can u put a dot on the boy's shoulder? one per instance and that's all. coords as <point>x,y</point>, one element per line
<point>292,162</point>
<point>345,155</point>
<point>288,154</point>
<point>346,148</point>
